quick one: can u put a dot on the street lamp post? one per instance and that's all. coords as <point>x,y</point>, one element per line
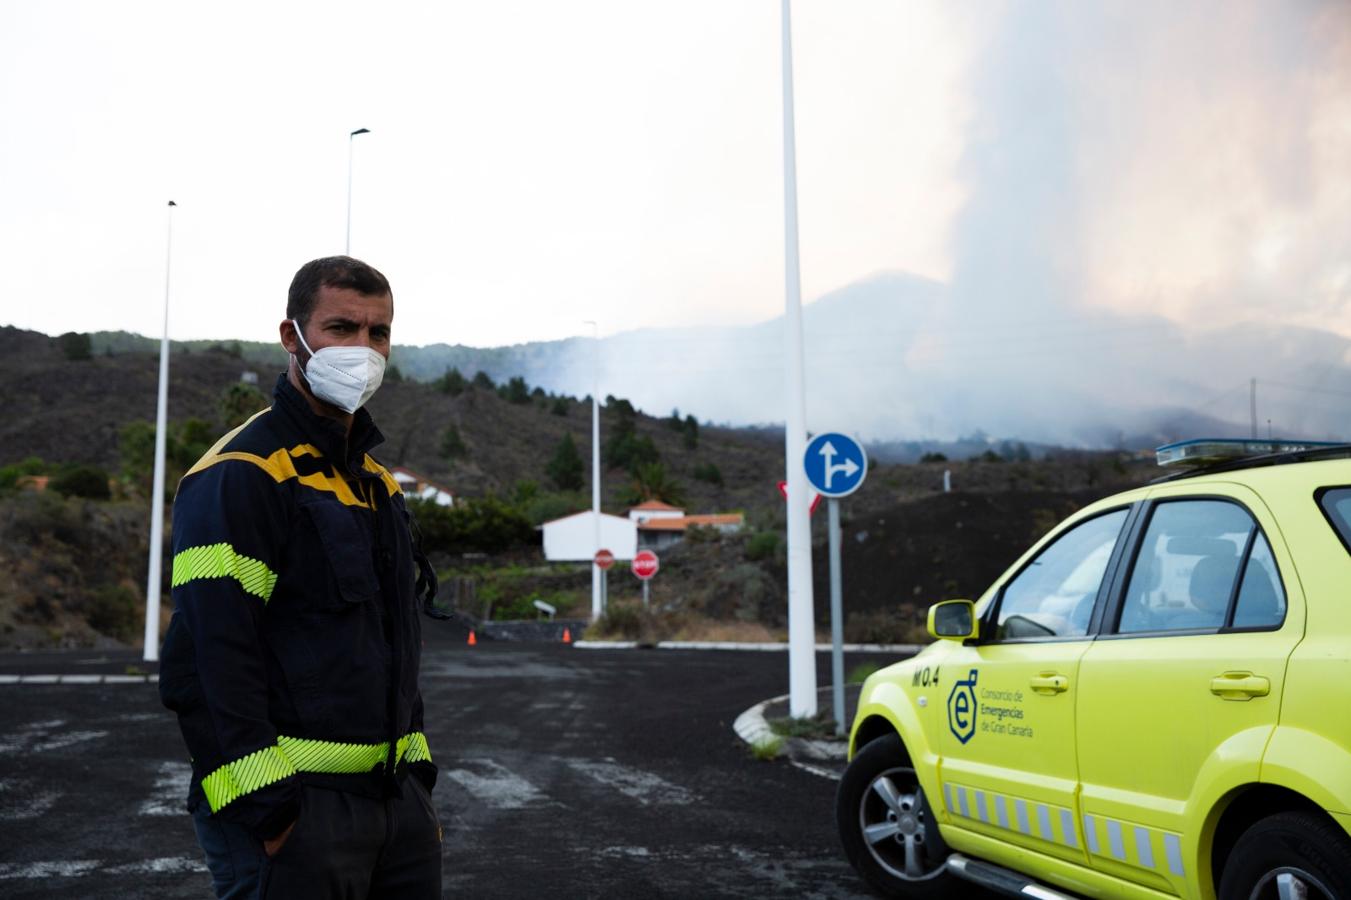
<point>351,138</point>
<point>597,573</point>
<point>801,626</point>
<point>152,589</point>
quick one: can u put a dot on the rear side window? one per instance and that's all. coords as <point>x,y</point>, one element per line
<point>1203,565</point>
<point>1336,503</point>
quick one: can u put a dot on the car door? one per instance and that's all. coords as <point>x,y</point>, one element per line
<point>1180,693</point>
<point>1008,756</point>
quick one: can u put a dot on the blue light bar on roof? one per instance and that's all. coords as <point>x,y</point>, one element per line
<point>1204,451</point>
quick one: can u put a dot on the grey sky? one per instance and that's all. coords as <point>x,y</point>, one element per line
<point>535,164</point>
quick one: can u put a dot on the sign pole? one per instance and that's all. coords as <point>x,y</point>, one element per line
<point>646,595</point>
<point>836,465</point>
<point>836,619</point>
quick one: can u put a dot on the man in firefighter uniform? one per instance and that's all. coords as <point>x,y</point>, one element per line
<point>292,656</point>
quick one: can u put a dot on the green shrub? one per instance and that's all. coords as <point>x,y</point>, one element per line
<point>452,445</point>
<point>10,475</point>
<point>762,545</point>
<point>82,481</point>
<point>708,472</point>
<point>566,469</point>
<point>237,403</point>
<point>516,391</point>
<point>115,610</point>
<point>452,383</point>
<point>933,458</point>
<point>559,407</point>
<point>75,345</point>
<point>486,525</point>
<point>702,534</point>
<point>483,380</point>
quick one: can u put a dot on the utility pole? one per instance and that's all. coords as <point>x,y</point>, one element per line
<point>1253,402</point>
<point>351,137</point>
<point>150,652</point>
<point>801,619</point>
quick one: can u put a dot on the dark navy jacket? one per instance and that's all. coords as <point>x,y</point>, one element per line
<point>293,651</point>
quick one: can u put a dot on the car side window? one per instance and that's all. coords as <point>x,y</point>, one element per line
<point>1261,598</point>
<point>1188,567</point>
<point>1054,594</point>
<point>1336,504</point>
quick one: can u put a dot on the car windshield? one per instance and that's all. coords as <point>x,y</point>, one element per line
<point>1336,505</point>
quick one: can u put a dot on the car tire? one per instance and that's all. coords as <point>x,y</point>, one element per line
<point>1293,854</point>
<point>887,829</point>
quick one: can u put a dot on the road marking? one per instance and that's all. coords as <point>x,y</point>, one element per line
<point>78,868</point>
<point>646,788</point>
<point>21,799</point>
<point>71,868</point>
<point>159,866</point>
<point>47,678</point>
<point>169,791</point>
<point>37,737</point>
<point>496,785</point>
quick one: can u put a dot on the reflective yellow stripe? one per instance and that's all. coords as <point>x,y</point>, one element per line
<point>291,755</point>
<point>280,466</point>
<point>221,561</point>
<point>244,776</point>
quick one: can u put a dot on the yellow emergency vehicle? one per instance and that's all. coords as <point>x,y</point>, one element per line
<point>1152,702</point>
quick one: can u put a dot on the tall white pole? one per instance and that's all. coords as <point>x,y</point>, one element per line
<point>801,625</point>
<point>597,574</point>
<point>150,652</point>
<point>347,247</point>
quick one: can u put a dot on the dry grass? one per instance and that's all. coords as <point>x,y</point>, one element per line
<point>701,629</point>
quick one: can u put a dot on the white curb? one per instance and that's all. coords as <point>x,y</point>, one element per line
<point>909,649</point>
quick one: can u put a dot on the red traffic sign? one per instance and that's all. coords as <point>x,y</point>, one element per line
<point>816,498</point>
<point>645,564</point>
<point>604,559</point>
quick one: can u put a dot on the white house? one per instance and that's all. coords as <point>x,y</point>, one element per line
<point>414,485</point>
<point>573,538</point>
<point>661,525</point>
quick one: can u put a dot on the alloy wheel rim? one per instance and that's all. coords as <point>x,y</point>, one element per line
<point>1291,883</point>
<point>893,825</point>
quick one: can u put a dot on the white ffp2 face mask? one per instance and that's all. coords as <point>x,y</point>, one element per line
<point>343,376</point>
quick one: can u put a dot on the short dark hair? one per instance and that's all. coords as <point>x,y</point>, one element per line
<point>332,271</point>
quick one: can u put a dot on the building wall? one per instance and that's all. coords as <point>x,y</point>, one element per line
<point>573,539</point>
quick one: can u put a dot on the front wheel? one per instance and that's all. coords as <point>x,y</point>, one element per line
<point>1289,856</point>
<point>887,829</point>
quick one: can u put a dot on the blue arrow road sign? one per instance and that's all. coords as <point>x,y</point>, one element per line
<point>836,464</point>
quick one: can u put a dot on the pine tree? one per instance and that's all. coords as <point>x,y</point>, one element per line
<point>566,469</point>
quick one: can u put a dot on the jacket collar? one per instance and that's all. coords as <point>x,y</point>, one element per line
<point>328,434</point>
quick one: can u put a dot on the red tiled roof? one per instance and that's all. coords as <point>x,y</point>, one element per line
<point>655,505</point>
<point>685,522</point>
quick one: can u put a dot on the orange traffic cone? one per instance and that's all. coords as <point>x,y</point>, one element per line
<point>567,635</point>
<point>472,639</point>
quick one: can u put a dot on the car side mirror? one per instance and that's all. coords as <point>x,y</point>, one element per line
<point>953,620</point>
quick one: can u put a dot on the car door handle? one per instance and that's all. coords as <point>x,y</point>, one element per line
<point>1239,686</point>
<point>1049,683</point>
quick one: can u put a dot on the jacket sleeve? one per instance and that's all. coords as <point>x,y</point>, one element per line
<point>420,762</point>
<point>229,526</point>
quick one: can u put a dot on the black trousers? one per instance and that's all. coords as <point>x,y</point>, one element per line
<point>343,847</point>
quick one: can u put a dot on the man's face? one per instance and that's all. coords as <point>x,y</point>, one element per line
<point>343,317</point>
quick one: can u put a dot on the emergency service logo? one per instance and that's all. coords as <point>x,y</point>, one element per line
<point>962,708</point>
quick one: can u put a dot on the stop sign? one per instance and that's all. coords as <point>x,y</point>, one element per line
<point>645,564</point>
<point>604,559</point>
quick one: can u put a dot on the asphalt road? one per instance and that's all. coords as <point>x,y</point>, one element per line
<point>564,773</point>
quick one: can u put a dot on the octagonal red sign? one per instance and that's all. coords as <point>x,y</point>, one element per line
<point>645,564</point>
<point>604,559</point>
